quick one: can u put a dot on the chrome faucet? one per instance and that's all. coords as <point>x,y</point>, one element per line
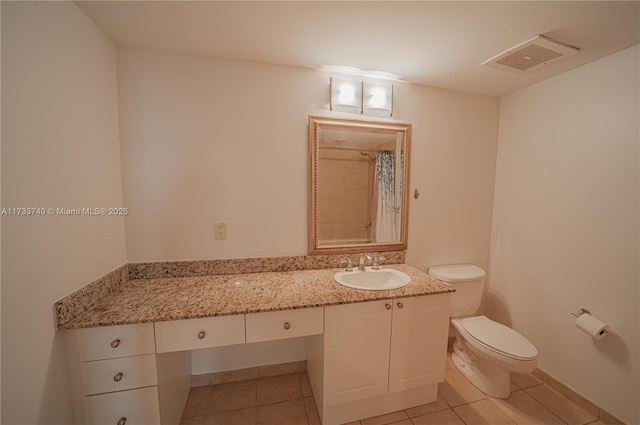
<point>361,261</point>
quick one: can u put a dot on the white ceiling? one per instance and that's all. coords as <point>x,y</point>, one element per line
<point>436,43</point>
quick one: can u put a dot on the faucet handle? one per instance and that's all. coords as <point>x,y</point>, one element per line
<point>349,264</point>
<point>376,264</point>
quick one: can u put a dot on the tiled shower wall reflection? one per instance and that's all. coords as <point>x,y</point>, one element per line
<point>344,195</point>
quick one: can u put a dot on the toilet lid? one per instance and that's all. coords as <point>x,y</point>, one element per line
<point>499,337</point>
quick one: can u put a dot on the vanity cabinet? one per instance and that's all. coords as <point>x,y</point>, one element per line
<point>141,374</point>
<point>379,356</point>
<point>114,375</point>
<point>363,359</point>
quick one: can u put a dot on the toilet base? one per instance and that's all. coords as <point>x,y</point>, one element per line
<point>487,377</point>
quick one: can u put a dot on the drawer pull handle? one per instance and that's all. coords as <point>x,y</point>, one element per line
<point>122,421</point>
<point>400,305</point>
<point>201,335</point>
<point>287,325</point>
<point>387,306</point>
<point>115,343</point>
<point>118,377</point>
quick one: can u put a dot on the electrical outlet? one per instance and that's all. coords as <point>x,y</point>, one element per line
<point>221,230</point>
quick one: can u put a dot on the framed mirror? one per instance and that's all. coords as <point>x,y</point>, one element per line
<point>358,185</point>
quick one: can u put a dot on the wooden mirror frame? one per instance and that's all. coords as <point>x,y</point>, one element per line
<point>316,123</point>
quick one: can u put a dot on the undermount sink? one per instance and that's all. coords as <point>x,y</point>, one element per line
<point>373,280</point>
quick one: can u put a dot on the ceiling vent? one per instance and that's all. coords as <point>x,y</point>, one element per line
<point>532,54</point>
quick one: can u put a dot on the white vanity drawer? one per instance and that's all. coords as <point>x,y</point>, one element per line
<point>103,376</point>
<point>285,324</point>
<point>179,335</point>
<point>109,342</point>
<point>133,407</point>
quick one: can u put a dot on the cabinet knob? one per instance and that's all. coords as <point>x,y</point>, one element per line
<point>118,377</point>
<point>400,305</point>
<point>115,343</point>
<point>287,325</point>
<point>122,421</point>
<point>201,335</point>
<point>387,306</point>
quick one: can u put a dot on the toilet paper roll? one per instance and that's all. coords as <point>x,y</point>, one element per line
<point>593,327</point>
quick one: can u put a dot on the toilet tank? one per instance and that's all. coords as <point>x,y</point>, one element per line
<point>468,281</point>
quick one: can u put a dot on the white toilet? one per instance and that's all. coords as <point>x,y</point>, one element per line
<point>484,351</point>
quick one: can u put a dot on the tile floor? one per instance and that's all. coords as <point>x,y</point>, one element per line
<point>287,400</point>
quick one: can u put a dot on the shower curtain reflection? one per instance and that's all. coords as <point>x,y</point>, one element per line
<point>386,223</point>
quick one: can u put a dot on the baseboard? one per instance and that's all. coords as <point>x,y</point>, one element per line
<point>248,373</point>
<point>568,392</point>
<point>577,398</point>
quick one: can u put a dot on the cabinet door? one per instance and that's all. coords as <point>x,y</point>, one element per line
<point>356,348</point>
<point>418,341</point>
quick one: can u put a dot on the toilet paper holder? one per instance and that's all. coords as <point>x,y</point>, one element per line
<point>581,312</point>
<point>585,311</point>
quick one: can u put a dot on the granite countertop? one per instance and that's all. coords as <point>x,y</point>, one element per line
<point>156,300</point>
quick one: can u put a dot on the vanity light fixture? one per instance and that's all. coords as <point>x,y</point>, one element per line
<point>360,96</point>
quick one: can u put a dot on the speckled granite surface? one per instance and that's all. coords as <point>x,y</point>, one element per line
<point>154,300</point>
<point>72,305</point>
<point>86,297</point>
<point>250,265</point>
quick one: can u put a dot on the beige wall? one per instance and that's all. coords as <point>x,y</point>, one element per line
<point>59,149</point>
<point>206,139</point>
<point>565,226</point>
<point>453,156</point>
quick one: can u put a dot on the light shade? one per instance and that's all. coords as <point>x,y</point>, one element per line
<point>378,96</point>
<point>346,93</point>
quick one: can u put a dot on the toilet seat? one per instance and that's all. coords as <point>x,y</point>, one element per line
<point>497,337</point>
